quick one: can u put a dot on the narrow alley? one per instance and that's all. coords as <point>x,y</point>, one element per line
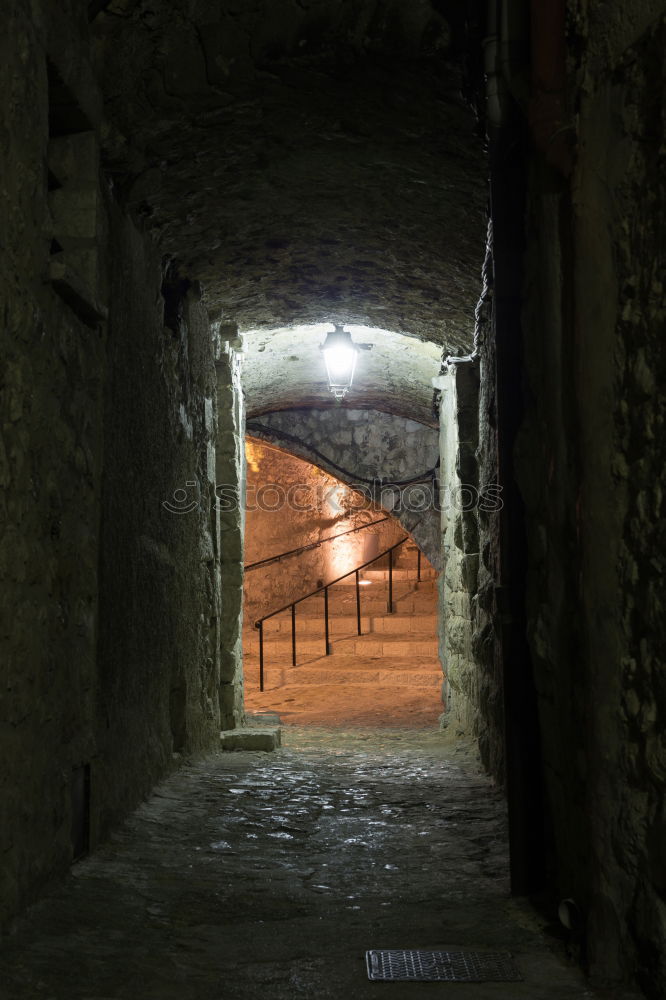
<point>269,875</point>
<point>332,378</point>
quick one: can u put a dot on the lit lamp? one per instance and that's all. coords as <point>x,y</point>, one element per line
<point>340,353</point>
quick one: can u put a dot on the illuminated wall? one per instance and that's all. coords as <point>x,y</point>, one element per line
<point>291,503</point>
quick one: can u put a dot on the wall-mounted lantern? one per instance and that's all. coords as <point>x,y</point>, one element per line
<point>340,353</point>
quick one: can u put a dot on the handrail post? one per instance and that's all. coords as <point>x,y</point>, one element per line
<point>325,587</point>
<point>261,656</point>
<point>328,648</point>
<point>390,592</point>
<point>418,565</point>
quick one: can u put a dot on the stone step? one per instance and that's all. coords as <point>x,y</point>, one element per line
<point>265,738</point>
<point>348,669</point>
<point>337,598</point>
<point>398,650</point>
<point>346,625</point>
<point>373,600</point>
<point>374,644</point>
<point>379,580</point>
<point>308,618</point>
<point>399,573</point>
<point>352,661</point>
<point>379,594</point>
<point>415,679</point>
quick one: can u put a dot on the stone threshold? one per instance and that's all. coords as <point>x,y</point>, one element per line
<point>252,737</point>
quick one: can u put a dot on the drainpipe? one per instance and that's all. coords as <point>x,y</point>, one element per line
<point>542,94</point>
<point>505,59</point>
<point>495,96</point>
<point>552,132</point>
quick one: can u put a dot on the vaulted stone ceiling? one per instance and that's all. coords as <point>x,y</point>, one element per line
<point>308,161</point>
<point>393,375</point>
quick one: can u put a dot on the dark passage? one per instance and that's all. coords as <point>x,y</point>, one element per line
<point>415,248</point>
<point>269,876</point>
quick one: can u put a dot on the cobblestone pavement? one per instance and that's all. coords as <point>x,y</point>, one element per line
<point>269,875</point>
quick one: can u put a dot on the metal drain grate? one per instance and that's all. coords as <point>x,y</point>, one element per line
<point>446,966</point>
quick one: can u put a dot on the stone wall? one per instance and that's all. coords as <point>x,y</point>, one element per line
<point>592,463</point>
<point>110,600</point>
<point>51,402</point>
<point>373,450</point>
<point>157,693</point>
<point>230,473</point>
<point>471,501</point>
<point>462,500</point>
<point>291,504</point>
<point>486,626</point>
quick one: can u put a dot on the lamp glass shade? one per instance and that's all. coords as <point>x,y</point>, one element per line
<point>340,358</point>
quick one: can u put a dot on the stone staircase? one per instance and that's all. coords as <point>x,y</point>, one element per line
<point>395,650</point>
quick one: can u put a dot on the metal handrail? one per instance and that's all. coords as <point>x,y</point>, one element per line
<point>259,624</point>
<point>313,545</point>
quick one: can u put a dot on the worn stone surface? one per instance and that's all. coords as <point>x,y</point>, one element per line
<point>158,559</point>
<point>259,738</point>
<point>368,448</point>
<point>486,627</point>
<point>229,463</point>
<point>250,876</point>
<point>109,599</point>
<point>466,498</point>
<point>387,676</point>
<point>51,402</point>
<point>592,475</point>
<point>470,625</point>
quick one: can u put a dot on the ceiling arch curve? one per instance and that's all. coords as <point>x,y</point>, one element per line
<point>390,459</point>
<point>307,162</point>
<point>284,368</point>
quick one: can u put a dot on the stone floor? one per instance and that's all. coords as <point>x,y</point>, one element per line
<point>252,875</point>
<point>335,704</point>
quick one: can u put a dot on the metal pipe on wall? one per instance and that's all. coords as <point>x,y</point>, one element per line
<point>551,128</point>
